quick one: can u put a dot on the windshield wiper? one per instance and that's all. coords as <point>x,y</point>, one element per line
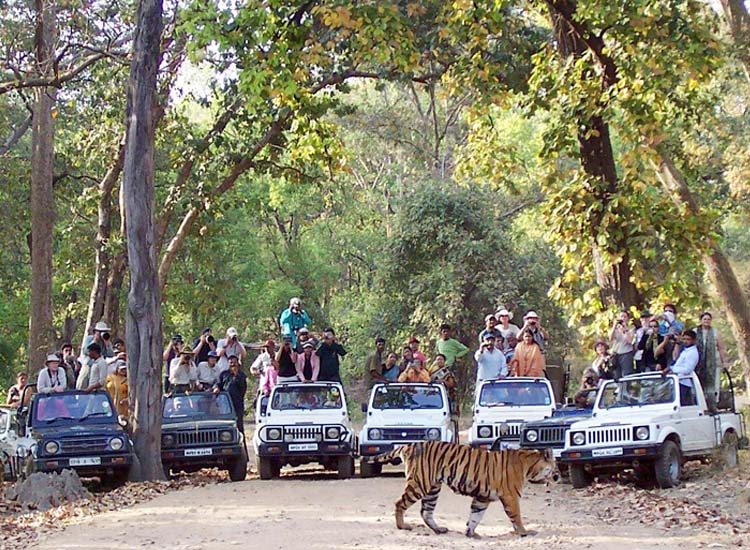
<point>100,413</point>
<point>49,420</point>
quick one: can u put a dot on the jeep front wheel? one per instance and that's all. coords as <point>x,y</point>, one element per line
<point>265,468</point>
<point>238,468</point>
<point>579,477</point>
<point>668,465</point>
<point>345,467</point>
<point>369,469</point>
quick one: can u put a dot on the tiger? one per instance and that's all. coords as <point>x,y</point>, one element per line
<point>486,476</point>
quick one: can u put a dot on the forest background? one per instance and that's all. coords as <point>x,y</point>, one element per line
<point>395,164</point>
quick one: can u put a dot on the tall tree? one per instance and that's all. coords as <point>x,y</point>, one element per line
<point>143,321</point>
<point>41,332</point>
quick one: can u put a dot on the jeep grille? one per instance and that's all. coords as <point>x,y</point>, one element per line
<point>84,445</point>
<point>303,433</point>
<point>404,434</point>
<point>552,434</point>
<point>200,437</point>
<point>608,435</point>
<point>508,431</point>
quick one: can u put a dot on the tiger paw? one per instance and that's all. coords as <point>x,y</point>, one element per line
<point>471,534</point>
<point>404,526</point>
<point>440,530</point>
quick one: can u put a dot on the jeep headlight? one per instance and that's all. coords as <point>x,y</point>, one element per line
<point>532,436</point>
<point>116,443</point>
<point>374,433</point>
<point>332,432</point>
<point>484,431</point>
<point>226,436</point>
<point>433,433</point>
<point>273,434</point>
<point>578,438</point>
<point>167,440</point>
<point>642,433</point>
<point>51,447</point>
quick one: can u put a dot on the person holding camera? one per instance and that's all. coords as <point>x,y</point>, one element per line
<point>532,325</point>
<point>203,344</point>
<point>173,350</point>
<point>227,347</point>
<point>601,366</point>
<point>70,364</point>
<point>648,345</point>
<point>623,351</point>
<point>100,335</point>
<point>286,359</point>
<point>329,352</point>
<point>491,363</point>
<point>292,319</point>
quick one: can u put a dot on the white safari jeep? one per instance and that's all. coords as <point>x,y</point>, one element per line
<point>301,423</point>
<point>398,414</point>
<point>502,406</point>
<point>652,423</point>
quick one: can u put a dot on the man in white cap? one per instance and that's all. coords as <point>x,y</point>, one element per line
<point>51,378</point>
<point>100,335</point>
<point>531,324</point>
<point>292,319</point>
<point>227,347</point>
<point>505,327</point>
<point>489,328</point>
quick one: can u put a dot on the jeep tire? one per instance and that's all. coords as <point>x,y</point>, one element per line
<point>345,467</point>
<point>369,469</point>
<point>265,467</point>
<point>579,477</point>
<point>238,468</point>
<point>668,465</point>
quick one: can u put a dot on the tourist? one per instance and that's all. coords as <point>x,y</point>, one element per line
<point>51,378</point>
<point>528,359</point>
<point>712,358</point>
<point>623,351</point>
<point>602,363</point>
<point>183,372</point>
<point>686,364</point>
<point>489,328</point>
<point>117,387</point>
<point>504,326</point>
<point>644,320</point>
<point>15,393</point>
<point>329,352</point>
<point>229,345</point>
<point>70,364</point>
<point>451,348</point>
<point>407,356</point>
<point>234,382</point>
<point>93,374</point>
<point>286,359</point>
<point>391,368</point>
<point>414,345</point>
<point>415,372</point>
<point>533,326</point>
<point>648,345</point>
<point>293,319</point>
<point>304,335</point>
<point>174,348</point>
<point>264,363</point>
<point>208,371</point>
<point>204,344</point>
<point>374,364</point>
<point>99,335</point>
<point>490,361</point>
<point>307,363</point>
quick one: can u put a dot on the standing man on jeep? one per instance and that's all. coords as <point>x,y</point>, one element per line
<point>449,347</point>
<point>100,335</point>
<point>234,382</point>
<point>329,352</point>
<point>229,346</point>
<point>203,344</point>
<point>375,363</point>
<point>292,319</point>
<point>93,375</point>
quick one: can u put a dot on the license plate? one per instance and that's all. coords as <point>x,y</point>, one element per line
<point>85,461</point>
<point>614,451</point>
<point>303,446</point>
<point>509,445</point>
<point>198,452</point>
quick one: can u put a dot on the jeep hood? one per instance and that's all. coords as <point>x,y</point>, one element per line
<point>511,414</point>
<point>405,417</point>
<point>303,417</point>
<point>625,417</point>
<point>89,430</point>
<point>198,425</point>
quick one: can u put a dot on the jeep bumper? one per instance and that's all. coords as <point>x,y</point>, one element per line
<point>311,449</point>
<point>85,465</point>
<point>203,457</point>
<point>610,455</point>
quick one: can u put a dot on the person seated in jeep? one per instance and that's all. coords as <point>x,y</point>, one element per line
<point>415,372</point>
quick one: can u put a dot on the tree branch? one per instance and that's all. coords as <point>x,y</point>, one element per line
<point>16,136</point>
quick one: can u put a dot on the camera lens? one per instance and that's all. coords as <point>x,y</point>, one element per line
<point>105,335</point>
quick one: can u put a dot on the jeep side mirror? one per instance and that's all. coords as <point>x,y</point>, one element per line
<point>363,406</point>
<point>263,405</point>
<point>122,421</point>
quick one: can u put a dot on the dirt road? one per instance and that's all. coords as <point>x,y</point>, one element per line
<point>314,511</point>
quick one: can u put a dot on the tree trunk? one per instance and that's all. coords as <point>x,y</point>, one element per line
<point>737,19</point>
<point>41,331</point>
<point>144,324</point>
<point>598,162</point>
<point>719,269</point>
<point>102,268</point>
<point>114,288</point>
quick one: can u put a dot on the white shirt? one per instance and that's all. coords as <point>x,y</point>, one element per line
<point>491,364</point>
<point>92,374</point>
<point>686,361</point>
<point>182,373</point>
<point>261,363</point>
<point>229,349</point>
<point>46,381</point>
<point>511,330</point>
<point>206,374</point>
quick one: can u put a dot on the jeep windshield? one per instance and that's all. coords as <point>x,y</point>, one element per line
<point>196,406</point>
<point>637,393</point>
<point>73,408</point>
<point>286,398</point>
<point>407,397</point>
<point>515,394</point>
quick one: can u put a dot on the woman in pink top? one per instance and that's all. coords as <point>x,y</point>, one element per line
<point>308,363</point>
<point>414,345</point>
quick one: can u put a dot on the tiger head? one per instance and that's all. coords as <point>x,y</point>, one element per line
<point>540,467</point>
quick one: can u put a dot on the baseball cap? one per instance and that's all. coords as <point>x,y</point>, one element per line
<point>212,353</point>
<point>102,326</point>
<point>503,312</point>
<point>303,330</point>
<point>489,336</point>
<point>531,315</point>
<point>94,347</point>
<point>270,344</point>
<point>295,302</point>
<point>308,344</point>
<point>488,317</point>
<point>52,357</point>
<point>231,331</point>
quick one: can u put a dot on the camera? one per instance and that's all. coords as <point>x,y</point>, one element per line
<point>211,339</point>
<point>106,335</point>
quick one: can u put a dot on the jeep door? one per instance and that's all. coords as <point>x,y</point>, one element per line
<point>695,426</point>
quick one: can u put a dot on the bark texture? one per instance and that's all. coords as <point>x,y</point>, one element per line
<point>41,331</point>
<point>737,20</point>
<point>144,325</point>
<point>717,264</point>
<point>598,161</point>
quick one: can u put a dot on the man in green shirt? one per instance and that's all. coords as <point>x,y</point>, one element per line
<point>450,347</point>
<point>374,364</point>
